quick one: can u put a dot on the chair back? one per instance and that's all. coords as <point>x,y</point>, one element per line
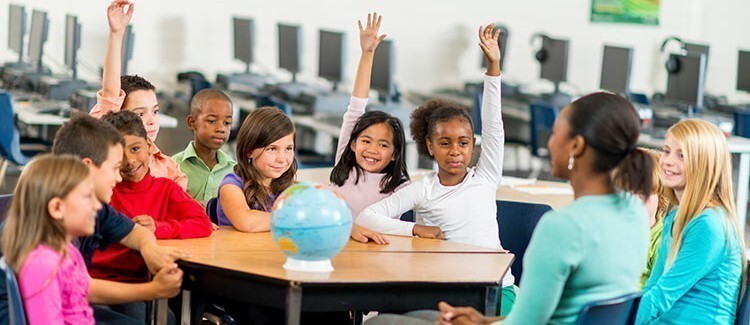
<point>742,123</point>
<point>543,117</point>
<point>10,139</point>
<point>15,311</point>
<point>615,311</point>
<point>212,210</point>
<point>516,222</point>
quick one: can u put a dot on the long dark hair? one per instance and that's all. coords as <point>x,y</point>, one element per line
<point>610,125</point>
<point>261,128</point>
<point>395,172</point>
<point>426,117</point>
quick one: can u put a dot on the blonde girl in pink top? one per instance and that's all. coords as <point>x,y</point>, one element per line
<point>53,203</point>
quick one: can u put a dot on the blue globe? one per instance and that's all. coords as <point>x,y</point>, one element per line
<point>310,223</point>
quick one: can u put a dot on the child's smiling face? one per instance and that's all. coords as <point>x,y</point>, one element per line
<point>373,148</point>
<point>136,158</point>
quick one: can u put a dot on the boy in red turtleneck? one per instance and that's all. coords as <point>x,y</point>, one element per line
<point>158,204</point>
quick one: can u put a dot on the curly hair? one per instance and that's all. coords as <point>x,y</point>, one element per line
<point>425,117</point>
<point>127,122</point>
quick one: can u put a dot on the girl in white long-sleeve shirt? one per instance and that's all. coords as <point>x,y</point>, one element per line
<point>456,203</point>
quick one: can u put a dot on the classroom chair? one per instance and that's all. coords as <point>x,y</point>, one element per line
<point>516,222</point>
<point>615,311</point>
<point>11,144</point>
<point>742,123</point>
<point>197,84</point>
<point>5,200</point>
<point>543,117</point>
<point>211,210</point>
<point>743,312</point>
<point>15,311</point>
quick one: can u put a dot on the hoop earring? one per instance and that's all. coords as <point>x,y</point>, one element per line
<point>571,162</point>
<point>249,161</point>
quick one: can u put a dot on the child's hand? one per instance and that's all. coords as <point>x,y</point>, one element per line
<point>214,227</point>
<point>157,257</point>
<point>117,17</point>
<point>368,36</point>
<point>167,282</point>
<point>460,315</point>
<point>364,235</point>
<point>488,43</point>
<point>146,222</point>
<point>427,232</point>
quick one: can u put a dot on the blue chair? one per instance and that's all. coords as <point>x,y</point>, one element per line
<point>516,222</point>
<point>743,312</point>
<point>198,83</point>
<point>5,201</point>
<point>15,301</point>
<point>476,114</point>
<point>742,123</point>
<point>615,311</point>
<point>543,117</point>
<point>270,100</point>
<point>212,210</point>
<point>11,150</point>
<point>408,216</point>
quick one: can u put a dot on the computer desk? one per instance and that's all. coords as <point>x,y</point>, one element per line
<point>409,274</point>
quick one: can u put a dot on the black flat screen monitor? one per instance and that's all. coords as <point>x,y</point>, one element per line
<point>616,65</point>
<point>244,31</point>
<point>555,67</point>
<point>128,42</point>
<point>743,71</point>
<point>289,47</point>
<point>16,29</point>
<point>331,56</point>
<point>685,86</point>
<point>72,43</point>
<point>384,68</point>
<point>37,38</point>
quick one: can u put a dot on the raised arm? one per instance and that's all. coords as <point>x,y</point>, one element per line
<point>111,97</point>
<point>490,165</point>
<point>368,41</point>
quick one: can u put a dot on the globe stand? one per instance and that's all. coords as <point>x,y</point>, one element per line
<point>293,264</point>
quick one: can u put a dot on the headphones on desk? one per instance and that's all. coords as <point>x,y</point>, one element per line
<point>673,63</point>
<point>541,55</point>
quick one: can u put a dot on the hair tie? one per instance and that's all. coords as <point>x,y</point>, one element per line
<point>631,148</point>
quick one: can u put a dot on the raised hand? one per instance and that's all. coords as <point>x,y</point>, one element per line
<point>368,36</point>
<point>488,43</point>
<point>118,17</point>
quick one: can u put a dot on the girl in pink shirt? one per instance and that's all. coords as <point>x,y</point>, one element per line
<point>53,203</point>
<point>370,160</point>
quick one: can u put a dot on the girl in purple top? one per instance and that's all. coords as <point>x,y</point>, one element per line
<point>370,160</point>
<point>266,166</point>
<point>53,203</point>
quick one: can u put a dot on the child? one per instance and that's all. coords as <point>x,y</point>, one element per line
<point>132,93</point>
<point>203,160</point>
<point>594,248</point>
<point>370,162</point>
<point>457,202</point>
<point>54,202</point>
<point>157,204</point>
<point>265,167</point>
<point>698,273</point>
<point>100,147</point>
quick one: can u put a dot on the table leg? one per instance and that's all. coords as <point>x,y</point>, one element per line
<point>491,300</point>
<point>161,312</point>
<point>743,181</point>
<point>186,313</point>
<point>293,303</point>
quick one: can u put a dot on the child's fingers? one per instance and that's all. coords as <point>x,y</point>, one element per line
<point>359,22</point>
<point>380,19</point>
<point>369,21</point>
<point>130,10</point>
<point>381,38</point>
<point>496,34</point>
<point>481,36</point>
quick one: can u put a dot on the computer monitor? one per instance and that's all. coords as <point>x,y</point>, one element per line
<point>502,42</point>
<point>37,38</point>
<point>128,41</point>
<point>685,86</point>
<point>72,43</point>
<point>694,48</point>
<point>555,65</point>
<point>244,30</point>
<point>331,57</point>
<point>289,48</point>
<point>743,71</point>
<point>16,29</point>
<point>616,65</point>
<point>383,69</point>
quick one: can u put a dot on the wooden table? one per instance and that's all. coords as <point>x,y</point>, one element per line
<point>408,274</point>
<point>506,193</point>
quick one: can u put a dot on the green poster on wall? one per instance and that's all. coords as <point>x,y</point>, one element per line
<point>644,12</point>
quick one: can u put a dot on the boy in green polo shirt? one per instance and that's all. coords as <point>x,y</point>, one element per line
<point>203,161</point>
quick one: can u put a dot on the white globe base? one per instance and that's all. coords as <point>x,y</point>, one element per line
<point>308,266</point>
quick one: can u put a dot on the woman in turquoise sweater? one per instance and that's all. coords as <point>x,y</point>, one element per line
<point>697,276</point>
<point>594,248</point>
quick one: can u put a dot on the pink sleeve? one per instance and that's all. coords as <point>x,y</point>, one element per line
<point>40,289</point>
<point>164,166</point>
<point>105,105</point>
<point>353,112</point>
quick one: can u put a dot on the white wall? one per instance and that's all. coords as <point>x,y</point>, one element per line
<point>435,39</point>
